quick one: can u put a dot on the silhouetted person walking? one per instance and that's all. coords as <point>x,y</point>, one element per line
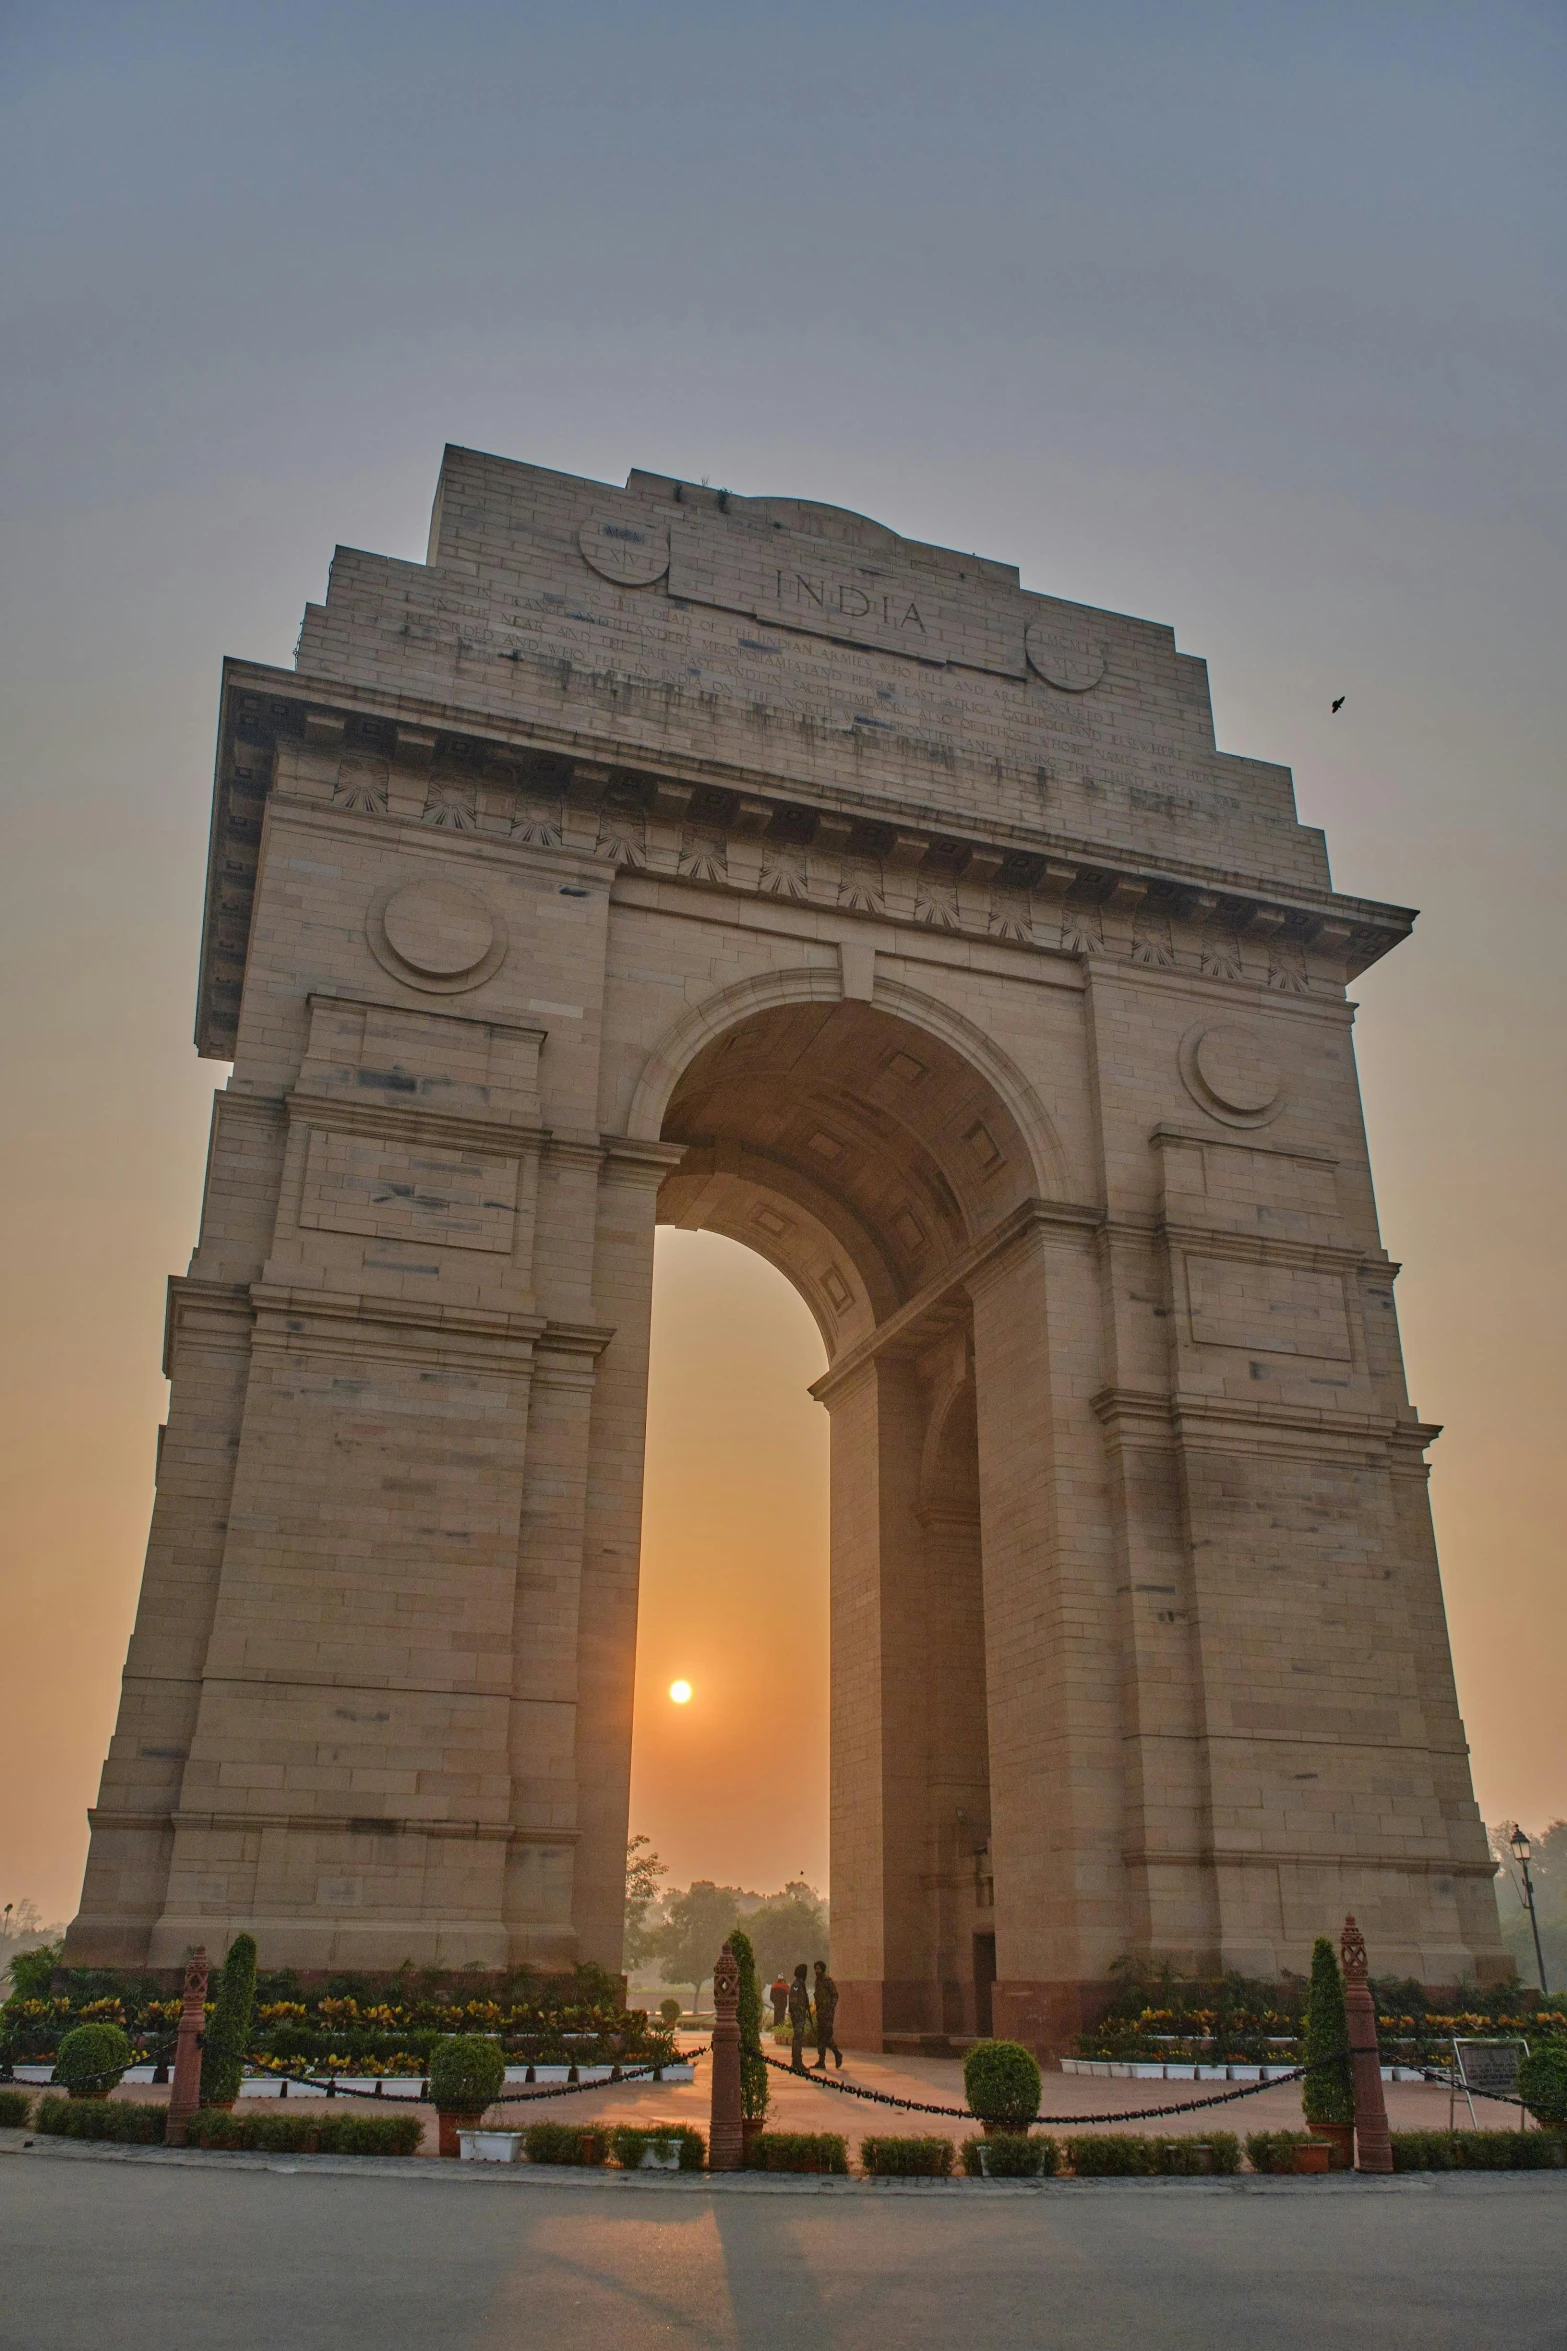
<point>799,2018</point>
<point>826,2018</point>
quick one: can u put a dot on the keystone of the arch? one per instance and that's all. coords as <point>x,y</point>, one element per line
<point>727,1007</point>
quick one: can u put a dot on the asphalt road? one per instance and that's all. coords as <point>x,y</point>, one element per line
<point>121,2255</point>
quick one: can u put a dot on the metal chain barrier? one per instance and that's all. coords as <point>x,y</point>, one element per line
<point>1126,2114</point>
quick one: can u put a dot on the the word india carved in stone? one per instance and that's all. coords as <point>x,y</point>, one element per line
<point>661,855</point>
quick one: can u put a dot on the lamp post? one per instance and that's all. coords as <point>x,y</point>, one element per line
<point>1524,1852</point>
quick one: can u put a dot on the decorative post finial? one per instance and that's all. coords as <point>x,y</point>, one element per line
<point>1373,2147</point>
<point>726,2138</point>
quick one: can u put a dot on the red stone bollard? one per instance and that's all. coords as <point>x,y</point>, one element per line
<point>726,2136</point>
<point>185,2095</point>
<point>1373,2147</point>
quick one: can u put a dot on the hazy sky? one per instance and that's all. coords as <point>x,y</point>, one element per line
<point>1244,318</point>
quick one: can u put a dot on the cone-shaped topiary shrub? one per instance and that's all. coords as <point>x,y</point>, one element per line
<point>1328,2095</point>
<point>753,2065</point>
<point>466,2072</point>
<point>1002,2082</point>
<point>227,2036</point>
<point>91,2059</point>
<point>1542,2084</point>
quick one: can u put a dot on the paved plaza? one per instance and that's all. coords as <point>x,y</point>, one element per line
<point>212,2253</point>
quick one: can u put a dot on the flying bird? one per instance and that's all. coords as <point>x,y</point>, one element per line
<point>1338,706</point>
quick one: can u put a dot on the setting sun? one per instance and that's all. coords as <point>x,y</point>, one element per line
<point>680,1692</point>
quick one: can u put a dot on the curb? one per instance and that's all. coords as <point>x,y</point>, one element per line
<point>431,2171</point>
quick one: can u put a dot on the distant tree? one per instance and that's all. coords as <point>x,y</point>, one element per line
<point>695,1925</point>
<point>787,1927</point>
<point>643,1871</point>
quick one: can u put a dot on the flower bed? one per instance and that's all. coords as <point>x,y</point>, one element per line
<point>356,2025</point>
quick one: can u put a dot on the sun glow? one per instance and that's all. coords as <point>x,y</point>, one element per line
<point>680,1692</point>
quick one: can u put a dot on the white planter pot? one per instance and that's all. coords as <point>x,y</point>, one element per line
<point>1213,2073</point>
<point>490,2146</point>
<point>659,2155</point>
<point>1180,2073</point>
<point>1148,2073</point>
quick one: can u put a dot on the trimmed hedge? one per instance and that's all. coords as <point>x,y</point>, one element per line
<point>128,2121</point>
<point>627,2141</point>
<point>1002,2082</point>
<point>1542,2083</point>
<point>1128,2154</point>
<point>1479,2151</point>
<point>799,2151</point>
<point>906,2159</point>
<point>278,2133</point>
<point>565,2142</point>
<point>1012,2156</point>
<point>1275,2150</point>
<point>91,2059</point>
<point>15,2107</point>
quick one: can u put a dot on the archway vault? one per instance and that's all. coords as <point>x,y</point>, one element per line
<point>869,1159</point>
<point>864,1155</point>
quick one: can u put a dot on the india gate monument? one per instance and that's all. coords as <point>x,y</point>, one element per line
<point>659,855</point>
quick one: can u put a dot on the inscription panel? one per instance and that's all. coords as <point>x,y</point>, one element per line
<point>1267,1309</point>
<point>393,1192</point>
<point>787,580</point>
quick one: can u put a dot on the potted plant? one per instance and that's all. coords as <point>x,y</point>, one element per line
<point>1328,2092</point>
<point>91,2060</point>
<point>466,2073</point>
<point>1001,2081</point>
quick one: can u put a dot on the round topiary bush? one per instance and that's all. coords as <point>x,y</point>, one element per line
<point>91,2059</point>
<point>466,2072</point>
<point>1001,2082</point>
<point>1542,2084</point>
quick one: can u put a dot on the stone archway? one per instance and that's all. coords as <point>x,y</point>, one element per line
<point>660,853</point>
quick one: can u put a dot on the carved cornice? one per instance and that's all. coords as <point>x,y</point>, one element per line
<point>361,1323</point>
<point>396,1121</point>
<point>1240,1857</point>
<point>1150,1416</point>
<point>217,1313</point>
<point>713,826</point>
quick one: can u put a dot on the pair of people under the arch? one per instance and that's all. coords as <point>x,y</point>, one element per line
<point>807,2017</point>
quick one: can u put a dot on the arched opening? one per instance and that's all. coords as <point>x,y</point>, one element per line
<point>867,1159</point>
<point>732,1785</point>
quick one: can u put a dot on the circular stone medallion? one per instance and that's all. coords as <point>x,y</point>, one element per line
<point>1227,1070</point>
<point>1065,657</point>
<point>632,553</point>
<point>437,935</point>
